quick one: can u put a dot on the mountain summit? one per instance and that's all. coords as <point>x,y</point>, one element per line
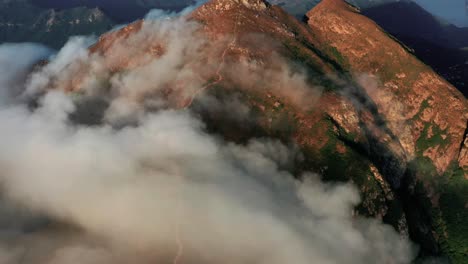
<point>252,4</point>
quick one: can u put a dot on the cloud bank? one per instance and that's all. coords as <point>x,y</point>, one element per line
<point>158,187</point>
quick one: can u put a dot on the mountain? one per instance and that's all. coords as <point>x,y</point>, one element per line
<point>20,21</point>
<point>440,45</point>
<point>52,22</point>
<point>121,11</point>
<point>354,100</point>
<point>436,42</point>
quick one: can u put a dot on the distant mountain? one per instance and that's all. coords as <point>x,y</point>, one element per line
<point>52,22</point>
<point>452,11</point>
<point>298,8</point>
<point>20,21</point>
<point>413,20</point>
<point>438,44</point>
<point>122,11</point>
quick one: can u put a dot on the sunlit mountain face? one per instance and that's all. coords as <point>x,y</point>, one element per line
<point>423,26</point>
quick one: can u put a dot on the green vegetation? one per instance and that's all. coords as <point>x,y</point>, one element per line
<point>337,56</point>
<point>278,120</point>
<point>346,165</point>
<point>450,214</point>
<point>424,168</point>
<point>424,106</point>
<point>454,214</point>
<point>301,54</point>
<point>436,139</point>
<point>389,66</point>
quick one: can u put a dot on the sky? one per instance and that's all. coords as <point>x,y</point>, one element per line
<point>453,11</point>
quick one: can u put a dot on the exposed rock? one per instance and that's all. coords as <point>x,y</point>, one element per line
<point>400,96</point>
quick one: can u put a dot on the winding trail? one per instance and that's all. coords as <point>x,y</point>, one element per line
<point>219,78</point>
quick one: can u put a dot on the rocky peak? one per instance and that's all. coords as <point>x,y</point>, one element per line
<point>251,4</point>
<point>332,4</point>
<point>254,4</point>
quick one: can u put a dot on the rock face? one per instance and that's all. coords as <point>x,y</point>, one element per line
<point>410,96</point>
<point>367,111</point>
<point>254,4</point>
<point>427,116</point>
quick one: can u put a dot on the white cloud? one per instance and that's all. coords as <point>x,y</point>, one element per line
<point>98,194</point>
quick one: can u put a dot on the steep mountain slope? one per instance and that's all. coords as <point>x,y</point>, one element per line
<point>20,21</point>
<point>436,42</point>
<point>357,104</point>
<point>428,115</point>
<point>368,50</point>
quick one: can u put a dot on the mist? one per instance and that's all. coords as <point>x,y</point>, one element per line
<point>15,68</point>
<point>147,182</point>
